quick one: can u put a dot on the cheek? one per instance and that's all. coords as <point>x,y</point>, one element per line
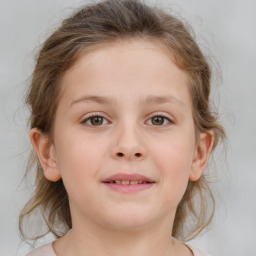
<point>78,160</point>
<point>174,156</point>
<point>173,159</point>
<point>76,151</point>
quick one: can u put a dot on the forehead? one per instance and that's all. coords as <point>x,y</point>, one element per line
<point>130,66</point>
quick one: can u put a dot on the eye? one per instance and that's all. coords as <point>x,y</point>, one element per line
<point>159,120</point>
<point>95,120</point>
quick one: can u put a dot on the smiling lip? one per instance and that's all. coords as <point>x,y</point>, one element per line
<point>128,183</point>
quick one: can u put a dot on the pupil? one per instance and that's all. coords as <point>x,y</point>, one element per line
<point>97,120</point>
<point>158,120</point>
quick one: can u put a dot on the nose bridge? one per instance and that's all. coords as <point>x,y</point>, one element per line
<point>129,141</point>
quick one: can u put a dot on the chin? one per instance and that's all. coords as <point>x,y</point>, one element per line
<point>128,219</point>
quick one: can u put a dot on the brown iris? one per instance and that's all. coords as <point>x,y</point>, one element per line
<point>157,120</point>
<point>96,120</point>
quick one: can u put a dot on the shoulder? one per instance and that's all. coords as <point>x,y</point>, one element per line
<point>44,250</point>
<point>197,252</point>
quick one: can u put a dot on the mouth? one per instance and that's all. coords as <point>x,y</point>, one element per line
<point>128,183</point>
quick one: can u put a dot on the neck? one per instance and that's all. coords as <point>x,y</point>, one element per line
<point>91,239</point>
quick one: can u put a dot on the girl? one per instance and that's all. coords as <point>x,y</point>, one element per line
<point>122,130</point>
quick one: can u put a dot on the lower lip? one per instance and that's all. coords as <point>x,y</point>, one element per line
<point>129,188</point>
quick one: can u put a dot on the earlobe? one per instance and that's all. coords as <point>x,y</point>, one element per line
<point>202,154</point>
<point>46,154</point>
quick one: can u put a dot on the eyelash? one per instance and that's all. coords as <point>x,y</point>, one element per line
<point>167,120</point>
<point>89,118</point>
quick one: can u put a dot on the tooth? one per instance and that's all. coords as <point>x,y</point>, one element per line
<point>140,181</point>
<point>118,181</point>
<point>133,182</point>
<point>125,182</point>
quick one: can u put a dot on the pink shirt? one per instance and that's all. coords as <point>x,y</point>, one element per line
<point>47,250</point>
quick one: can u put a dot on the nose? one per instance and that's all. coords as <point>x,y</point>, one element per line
<point>129,145</point>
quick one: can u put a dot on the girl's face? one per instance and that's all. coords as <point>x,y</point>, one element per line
<point>124,137</point>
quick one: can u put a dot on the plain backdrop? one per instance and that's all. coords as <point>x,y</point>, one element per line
<point>226,31</point>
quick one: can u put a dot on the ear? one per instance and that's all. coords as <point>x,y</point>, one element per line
<point>46,154</point>
<point>202,154</point>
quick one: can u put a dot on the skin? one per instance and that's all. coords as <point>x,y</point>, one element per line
<point>138,81</point>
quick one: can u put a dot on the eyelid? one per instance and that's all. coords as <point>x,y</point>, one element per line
<point>94,114</point>
<point>162,114</point>
<point>87,117</point>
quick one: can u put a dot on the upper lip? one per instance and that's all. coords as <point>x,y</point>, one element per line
<point>128,177</point>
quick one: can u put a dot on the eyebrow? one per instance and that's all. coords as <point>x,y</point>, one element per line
<point>155,99</point>
<point>151,99</point>
<point>94,98</point>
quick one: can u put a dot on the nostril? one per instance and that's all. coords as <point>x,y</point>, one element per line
<point>120,154</point>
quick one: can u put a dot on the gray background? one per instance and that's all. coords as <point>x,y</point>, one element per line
<point>226,30</point>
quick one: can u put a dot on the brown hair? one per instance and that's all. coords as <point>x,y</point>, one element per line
<point>91,26</point>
